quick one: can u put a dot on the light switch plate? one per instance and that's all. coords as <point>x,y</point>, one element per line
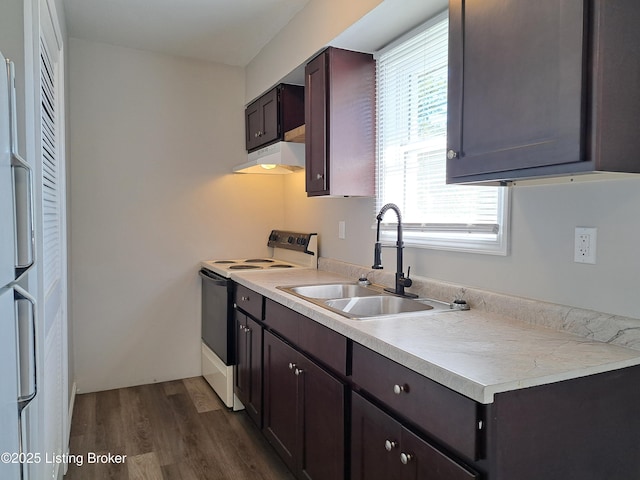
<point>342,233</point>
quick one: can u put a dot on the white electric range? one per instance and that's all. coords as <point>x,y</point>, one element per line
<point>287,250</point>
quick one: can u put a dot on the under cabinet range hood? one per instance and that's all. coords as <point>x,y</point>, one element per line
<point>277,158</point>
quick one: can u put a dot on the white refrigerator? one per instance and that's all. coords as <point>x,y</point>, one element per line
<point>17,307</point>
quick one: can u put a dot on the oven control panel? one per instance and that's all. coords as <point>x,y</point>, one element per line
<point>300,242</point>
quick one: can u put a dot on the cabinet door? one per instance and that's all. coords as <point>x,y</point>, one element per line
<point>516,85</point>
<point>281,399</point>
<point>317,175</point>
<point>382,448</point>
<point>419,460</point>
<point>340,123</point>
<point>253,349</point>
<point>253,124</point>
<point>375,442</point>
<point>241,385</point>
<point>269,117</point>
<point>322,423</point>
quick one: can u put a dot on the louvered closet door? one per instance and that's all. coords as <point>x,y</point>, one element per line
<point>53,344</point>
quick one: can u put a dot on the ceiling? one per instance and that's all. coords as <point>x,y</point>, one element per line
<point>223,31</point>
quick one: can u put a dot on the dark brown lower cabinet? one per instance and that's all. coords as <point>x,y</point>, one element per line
<point>383,449</point>
<point>248,378</point>
<point>304,412</point>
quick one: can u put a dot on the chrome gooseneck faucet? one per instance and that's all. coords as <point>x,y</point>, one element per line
<point>401,280</point>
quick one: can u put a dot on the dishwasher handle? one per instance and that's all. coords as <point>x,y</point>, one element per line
<point>209,276</point>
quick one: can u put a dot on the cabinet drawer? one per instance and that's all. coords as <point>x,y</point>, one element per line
<point>323,343</point>
<point>309,336</point>
<point>443,413</point>
<point>249,301</point>
<point>283,320</point>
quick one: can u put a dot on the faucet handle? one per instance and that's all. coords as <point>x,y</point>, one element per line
<point>406,281</point>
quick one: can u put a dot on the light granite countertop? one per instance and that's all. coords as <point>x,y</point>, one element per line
<point>477,353</point>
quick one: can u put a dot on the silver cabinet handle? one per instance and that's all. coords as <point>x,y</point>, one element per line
<point>292,366</point>
<point>298,372</point>
<point>319,176</point>
<point>390,445</point>
<point>405,458</point>
<point>451,154</point>
<point>247,330</point>
<point>398,389</point>
<point>244,299</point>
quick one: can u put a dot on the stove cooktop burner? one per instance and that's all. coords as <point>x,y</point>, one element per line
<point>288,250</point>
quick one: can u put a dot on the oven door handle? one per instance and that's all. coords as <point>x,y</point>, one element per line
<point>213,278</point>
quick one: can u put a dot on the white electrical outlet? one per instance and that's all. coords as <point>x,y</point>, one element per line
<point>585,245</point>
<point>342,233</point>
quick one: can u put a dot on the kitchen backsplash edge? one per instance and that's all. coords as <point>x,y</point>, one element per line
<point>602,327</point>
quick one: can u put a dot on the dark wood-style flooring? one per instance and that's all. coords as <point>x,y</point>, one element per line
<point>168,431</point>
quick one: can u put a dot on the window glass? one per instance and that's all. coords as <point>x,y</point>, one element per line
<point>411,159</point>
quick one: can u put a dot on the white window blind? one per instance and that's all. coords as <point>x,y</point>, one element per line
<point>411,164</point>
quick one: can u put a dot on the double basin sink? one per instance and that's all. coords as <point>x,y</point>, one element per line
<point>360,302</point>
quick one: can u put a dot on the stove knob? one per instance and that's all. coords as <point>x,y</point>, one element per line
<point>290,240</point>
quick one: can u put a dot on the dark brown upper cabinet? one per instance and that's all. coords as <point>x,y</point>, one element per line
<point>270,116</point>
<point>340,124</point>
<point>542,89</point>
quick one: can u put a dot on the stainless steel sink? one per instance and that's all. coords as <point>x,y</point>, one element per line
<point>357,307</point>
<point>334,290</point>
<point>360,303</point>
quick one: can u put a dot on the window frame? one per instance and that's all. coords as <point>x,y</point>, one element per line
<point>443,236</point>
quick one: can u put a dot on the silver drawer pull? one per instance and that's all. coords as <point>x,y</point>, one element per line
<point>398,389</point>
<point>244,299</point>
<point>390,445</point>
<point>405,458</point>
<point>292,366</point>
<point>298,372</point>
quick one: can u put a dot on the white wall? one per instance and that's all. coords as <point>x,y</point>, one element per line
<point>153,139</point>
<point>540,264</point>
<point>308,32</point>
